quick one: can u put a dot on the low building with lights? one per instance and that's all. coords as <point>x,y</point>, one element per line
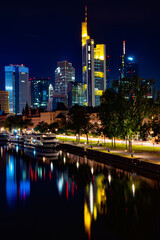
<point>4,101</point>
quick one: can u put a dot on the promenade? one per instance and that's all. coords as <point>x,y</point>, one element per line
<point>152,154</point>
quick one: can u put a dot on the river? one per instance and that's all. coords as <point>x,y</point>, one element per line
<point>72,197</point>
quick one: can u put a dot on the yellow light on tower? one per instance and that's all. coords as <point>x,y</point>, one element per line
<point>99,52</point>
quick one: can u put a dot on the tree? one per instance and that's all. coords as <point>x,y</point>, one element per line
<point>16,122</point>
<point>42,127</point>
<point>139,106</point>
<point>53,127</point>
<point>78,120</point>
<point>27,123</point>
<point>122,112</point>
<point>112,112</point>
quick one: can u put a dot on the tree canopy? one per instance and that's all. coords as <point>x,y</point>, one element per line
<point>15,122</point>
<point>78,120</point>
<point>122,112</point>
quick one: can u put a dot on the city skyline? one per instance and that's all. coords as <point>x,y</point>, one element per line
<point>40,44</point>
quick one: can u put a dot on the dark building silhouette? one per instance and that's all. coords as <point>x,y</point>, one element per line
<point>39,92</point>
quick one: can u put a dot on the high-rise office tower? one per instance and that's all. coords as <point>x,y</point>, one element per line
<point>94,67</point>
<point>17,84</point>
<point>128,68</point>
<point>50,99</point>
<point>39,92</point>
<point>128,71</point>
<point>4,101</point>
<point>64,74</point>
<point>50,92</point>
<point>100,71</point>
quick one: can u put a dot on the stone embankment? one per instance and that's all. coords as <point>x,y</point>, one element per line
<point>111,159</point>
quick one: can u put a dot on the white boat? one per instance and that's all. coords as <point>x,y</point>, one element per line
<point>16,138</point>
<point>41,142</point>
<point>4,137</point>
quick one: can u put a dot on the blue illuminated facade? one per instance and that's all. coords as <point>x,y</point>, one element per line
<point>17,84</point>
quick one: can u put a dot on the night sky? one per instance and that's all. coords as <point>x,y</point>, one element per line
<point>41,34</point>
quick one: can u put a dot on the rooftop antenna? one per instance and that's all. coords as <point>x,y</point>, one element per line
<point>86,14</point>
<point>124,48</point>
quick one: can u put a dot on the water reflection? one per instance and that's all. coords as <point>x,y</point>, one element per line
<point>108,200</point>
<point>15,186</point>
<point>11,182</point>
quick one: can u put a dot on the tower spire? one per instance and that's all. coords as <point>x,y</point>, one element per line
<point>86,13</point>
<point>124,48</point>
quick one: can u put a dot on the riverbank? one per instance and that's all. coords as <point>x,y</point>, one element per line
<point>137,146</point>
<point>139,161</point>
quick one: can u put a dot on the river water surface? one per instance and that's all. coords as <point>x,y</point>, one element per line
<point>71,197</point>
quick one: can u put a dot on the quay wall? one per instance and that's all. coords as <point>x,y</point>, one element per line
<point>111,159</point>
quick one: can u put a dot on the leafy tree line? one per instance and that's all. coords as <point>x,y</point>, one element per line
<point>122,112</point>
<point>78,121</point>
<point>17,122</point>
<point>43,127</point>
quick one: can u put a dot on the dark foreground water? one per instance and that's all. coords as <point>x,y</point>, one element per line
<point>70,197</point>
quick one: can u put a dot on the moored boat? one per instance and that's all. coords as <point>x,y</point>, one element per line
<point>41,142</point>
<point>4,137</point>
<point>16,139</point>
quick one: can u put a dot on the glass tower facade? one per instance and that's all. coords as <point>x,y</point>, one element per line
<point>128,70</point>
<point>39,92</point>
<point>64,74</point>
<point>17,84</point>
<point>75,94</point>
<point>50,92</point>
<point>94,68</point>
<point>100,78</point>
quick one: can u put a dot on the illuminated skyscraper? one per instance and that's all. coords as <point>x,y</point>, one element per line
<point>39,92</point>
<point>64,74</point>
<point>94,67</point>
<point>17,84</point>
<point>128,69</point>
<point>50,99</point>
<point>50,92</point>
<point>100,76</point>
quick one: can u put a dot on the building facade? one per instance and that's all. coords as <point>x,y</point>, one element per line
<point>128,68</point>
<point>50,92</point>
<point>17,84</point>
<point>57,98</point>
<point>39,92</point>
<point>94,67</point>
<point>4,101</point>
<point>75,94</point>
<point>100,72</point>
<point>64,74</point>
